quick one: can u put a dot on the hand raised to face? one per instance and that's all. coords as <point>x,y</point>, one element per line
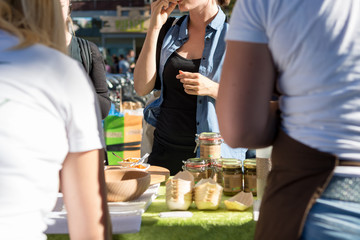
<point>160,11</point>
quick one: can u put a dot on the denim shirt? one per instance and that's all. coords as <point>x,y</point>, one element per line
<point>210,67</point>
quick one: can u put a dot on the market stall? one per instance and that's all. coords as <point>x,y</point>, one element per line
<point>207,224</point>
<point>217,224</point>
<point>149,216</point>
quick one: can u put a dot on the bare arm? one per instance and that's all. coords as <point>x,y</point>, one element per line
<point>145,68</point>
<point>83,186</point>
<point>246,117</point>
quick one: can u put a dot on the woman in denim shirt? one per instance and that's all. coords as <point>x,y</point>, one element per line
<point>191,59</point>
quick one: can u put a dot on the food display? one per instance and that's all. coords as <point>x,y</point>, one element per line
<point>194,188</point>
<point>127,165</point>
<point>131,160</point>
<point>130,163</point>
<point>140,166</point>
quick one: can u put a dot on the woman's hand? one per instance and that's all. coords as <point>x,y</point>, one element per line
<point>197,84</point>
<point>160,11</point>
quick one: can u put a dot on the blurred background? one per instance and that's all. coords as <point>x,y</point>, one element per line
<point>115,26</point>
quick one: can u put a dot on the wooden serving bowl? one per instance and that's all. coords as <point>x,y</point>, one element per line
<point>125,184</point>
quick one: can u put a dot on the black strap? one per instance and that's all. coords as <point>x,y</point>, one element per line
<point>164,29</point>
<point>85,52</point>
<point>121,149</point>
<point>130,146</point>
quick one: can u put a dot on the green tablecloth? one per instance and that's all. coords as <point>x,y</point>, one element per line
<point>206,225</point>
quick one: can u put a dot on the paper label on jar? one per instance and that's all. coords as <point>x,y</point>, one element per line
<point>250,183</point>
<point>210,151</point>
<point>232,182</point>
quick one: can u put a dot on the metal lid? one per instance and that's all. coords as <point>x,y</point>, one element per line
<point>196,162</point>
<point>250,163</point>
<point>210,136</point>
<point>231,163</point>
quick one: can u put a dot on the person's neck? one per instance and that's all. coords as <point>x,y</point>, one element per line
<point>201,17</point>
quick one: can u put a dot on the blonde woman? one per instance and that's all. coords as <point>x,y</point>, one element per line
<point>45,128</point>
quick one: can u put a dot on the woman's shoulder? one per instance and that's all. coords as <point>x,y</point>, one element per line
<point>93,46</point>
<point>49,57</point>
<point>84,43</point>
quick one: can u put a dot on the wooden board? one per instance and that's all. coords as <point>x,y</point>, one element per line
<point>158,174</point>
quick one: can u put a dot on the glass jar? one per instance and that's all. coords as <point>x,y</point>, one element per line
<point>250,176</point>
<point>217,172</point>
<point>210,168</point>
<point>197,167</point>
<point>232,176</point>
<point>210,145</point>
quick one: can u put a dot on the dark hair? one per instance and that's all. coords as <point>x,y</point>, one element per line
<point>223,3</point>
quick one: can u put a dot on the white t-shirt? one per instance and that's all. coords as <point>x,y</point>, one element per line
<point>47,109</point>
<point>316,47</point>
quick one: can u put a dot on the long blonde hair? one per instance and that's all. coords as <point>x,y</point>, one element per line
<point>34,21</point>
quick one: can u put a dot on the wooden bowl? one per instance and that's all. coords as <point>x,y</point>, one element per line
<point>125,184</point>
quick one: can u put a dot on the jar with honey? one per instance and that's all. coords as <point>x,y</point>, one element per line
<point>232,176</point>
<point>250,176</point>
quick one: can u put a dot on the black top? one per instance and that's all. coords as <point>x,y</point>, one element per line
<point>176,125</point>
<point>97,74</point>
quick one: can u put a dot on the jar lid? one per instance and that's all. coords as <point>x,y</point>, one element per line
<point>250,163</point>
<point>196,162</point>
<point>210,136</point>
<point>231,163</point>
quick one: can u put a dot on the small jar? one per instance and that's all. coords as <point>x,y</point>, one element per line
<point>232,176</point>
<point>197,167</point>
<point>250,176</point>
<point>217,172</point>
<point>210,145</point>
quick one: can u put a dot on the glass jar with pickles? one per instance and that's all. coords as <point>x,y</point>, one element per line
<point>232,176</point>
<point>250,176</point>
